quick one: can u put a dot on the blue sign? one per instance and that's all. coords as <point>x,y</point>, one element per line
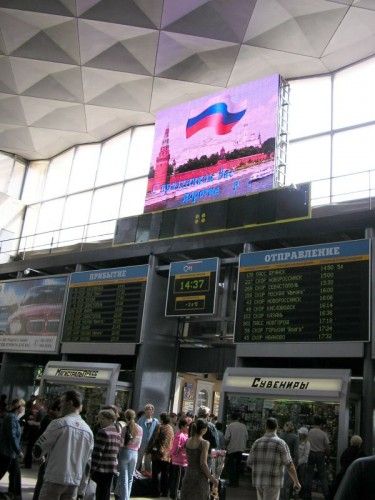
<point>117,274</point>
<point>311,253</point>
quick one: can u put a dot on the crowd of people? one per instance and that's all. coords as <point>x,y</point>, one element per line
<point>175,455</point>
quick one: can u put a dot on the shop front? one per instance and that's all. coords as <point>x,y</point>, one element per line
<point>289,395</point>
<point>98,383</point>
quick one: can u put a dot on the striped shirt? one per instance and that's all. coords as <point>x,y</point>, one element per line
<point>267,458</point>
<point>107,444</point>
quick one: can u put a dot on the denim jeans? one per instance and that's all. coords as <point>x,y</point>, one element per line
<point>127,462</point>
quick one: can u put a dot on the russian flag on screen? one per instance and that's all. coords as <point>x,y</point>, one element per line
<point>217,116</point>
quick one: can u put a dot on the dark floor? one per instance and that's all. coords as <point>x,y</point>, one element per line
<point>244,492</point>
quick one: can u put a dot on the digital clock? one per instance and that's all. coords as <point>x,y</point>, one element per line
<point>192,287</point>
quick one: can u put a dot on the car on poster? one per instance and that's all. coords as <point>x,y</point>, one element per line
<point>30,313</point>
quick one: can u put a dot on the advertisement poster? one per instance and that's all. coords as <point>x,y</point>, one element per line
<point>31,313</point>
<point>215,147</point>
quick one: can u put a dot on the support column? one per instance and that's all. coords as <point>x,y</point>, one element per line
<point>157,355</point>
<point>367,425</point>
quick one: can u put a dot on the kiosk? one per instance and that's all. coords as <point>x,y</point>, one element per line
<point>289,394</point>
<point>97,383</point>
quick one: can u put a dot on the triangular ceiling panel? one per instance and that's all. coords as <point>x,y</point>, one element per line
<point>59,8</point>
<point>119,11</point>
<point>27,72</point>
<point>309,26</point>
<point>130,95</point>
<point>17,139</point>
<point>51,88</point>
<point>14,31</point>
<point>36,109</point>
<point>211,67</point>
<point>11,110</point>
<point>118,58</point>
<point>7,81</point>
<point>42,47</point>
<point>65,35</point>
<point>69,118</point>
<point>217,19</point>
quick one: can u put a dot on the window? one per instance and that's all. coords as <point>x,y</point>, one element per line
<point>6,167</point>
<point>309,159</point>
<point>353,151</point>
<point>76,215</point>
<point>84,167</point>
<point>104,212</point>
<point>15,184</point>
<point>58,175</point>
<point>49,222</point>
<point>34,183</point>
<point>140,152</point>
<point>133,197</point>
<point>310,106</point>
<point>113,159</point>
<point>353,95</point>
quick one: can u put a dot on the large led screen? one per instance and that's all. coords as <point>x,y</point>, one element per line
<point>215,147</point>
<point>31,314</point>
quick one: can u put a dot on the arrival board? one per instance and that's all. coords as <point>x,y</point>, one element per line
<point>106,305</point>
<point>302,294</point>
<point>192,287</point>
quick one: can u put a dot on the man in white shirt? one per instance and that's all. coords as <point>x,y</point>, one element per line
<point>236,441</point>
<point>68,443</point>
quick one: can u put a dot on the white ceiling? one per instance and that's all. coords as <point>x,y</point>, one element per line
<point>77,71</point>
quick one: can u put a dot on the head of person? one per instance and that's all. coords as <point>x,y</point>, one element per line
<point>235,416</point>
<point>149,410</point>
<point>356,441</point>
<point>114,408</point>
<point>302,433</point>
<point>317,421</point>
<point>183,425</point>
<point>129,415</point>
<point>271,424</point>
<point>17,406</point>
<point>164,418</point>
<point>55,408</point>
<point>71,402</point>
<point>173,417</point>
<point>106,418</point>
<point>203,412</point>
<point>289,426</point>
<point>199,427</point>
<point>219,426</point>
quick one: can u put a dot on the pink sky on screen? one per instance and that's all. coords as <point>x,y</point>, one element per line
<point>260,98</point>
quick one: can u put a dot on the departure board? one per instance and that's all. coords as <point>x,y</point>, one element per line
<point>303,294</point>
<point>106,305</point>
<point>192,287</point>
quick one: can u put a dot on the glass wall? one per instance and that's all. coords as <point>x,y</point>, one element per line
<point>78,195</point>
<point>12,172</point>
<point>331,129</point>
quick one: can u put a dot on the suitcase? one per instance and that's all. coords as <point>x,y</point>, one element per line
<point>142,486</point>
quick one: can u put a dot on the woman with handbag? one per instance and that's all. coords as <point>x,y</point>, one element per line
<point>128,455</point>
<point>160,449</point>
